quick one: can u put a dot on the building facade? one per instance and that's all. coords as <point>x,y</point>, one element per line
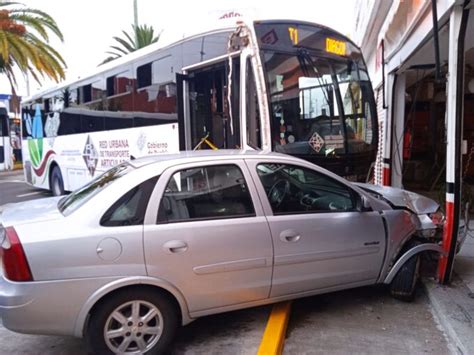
<point>420,55</point>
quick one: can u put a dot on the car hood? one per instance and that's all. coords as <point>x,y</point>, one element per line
<point>30,211</point>
<point>401,198</point>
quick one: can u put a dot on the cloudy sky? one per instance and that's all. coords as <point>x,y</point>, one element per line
<point>89,25</point>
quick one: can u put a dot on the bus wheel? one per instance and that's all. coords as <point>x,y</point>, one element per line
<point>56,184</point>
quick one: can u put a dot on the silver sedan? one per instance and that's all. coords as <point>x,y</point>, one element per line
<point>157,242</point>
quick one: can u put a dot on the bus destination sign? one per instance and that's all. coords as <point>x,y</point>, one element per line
<point>293,32</point>
<point>336,47</point>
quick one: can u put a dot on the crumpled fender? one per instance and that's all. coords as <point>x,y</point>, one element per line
<point>408,254</point>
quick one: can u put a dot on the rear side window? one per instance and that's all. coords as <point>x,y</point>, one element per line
<point>77,198</point>
<point>210,192</point>
<point>129,210</point>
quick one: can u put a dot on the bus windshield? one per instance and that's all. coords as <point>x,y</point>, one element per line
<point>320,95</point>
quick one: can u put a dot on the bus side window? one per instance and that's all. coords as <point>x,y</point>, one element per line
<point>91,123</point>
<point>144,75</point>
<point>253,113</point>
<point>70,124</point>
<point>196,50</point>
<point>155,97</point>
<point>117,102</point>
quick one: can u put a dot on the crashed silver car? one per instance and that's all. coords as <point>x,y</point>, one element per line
<point>158,242</point>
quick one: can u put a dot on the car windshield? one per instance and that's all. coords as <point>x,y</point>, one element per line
<point>72,202</point>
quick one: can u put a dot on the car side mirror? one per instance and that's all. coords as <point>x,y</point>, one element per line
<point>365,204</point>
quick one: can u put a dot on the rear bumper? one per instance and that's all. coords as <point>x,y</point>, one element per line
<point>45,307</point>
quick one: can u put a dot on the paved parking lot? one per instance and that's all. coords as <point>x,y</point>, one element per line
<point>363,321</point>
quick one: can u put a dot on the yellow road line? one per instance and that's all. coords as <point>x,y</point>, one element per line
<point>274,335</point>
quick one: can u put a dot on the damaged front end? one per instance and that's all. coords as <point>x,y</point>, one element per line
<point>430,219</point>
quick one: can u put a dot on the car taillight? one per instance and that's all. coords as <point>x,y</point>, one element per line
<point>15,265</point>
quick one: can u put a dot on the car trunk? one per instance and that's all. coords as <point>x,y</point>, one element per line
<point>30,211</point>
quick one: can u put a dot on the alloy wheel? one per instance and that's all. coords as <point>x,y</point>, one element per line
<point>133,328</point>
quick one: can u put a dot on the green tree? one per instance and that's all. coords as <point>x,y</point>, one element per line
<point>142,36</point>
<point>24,43</point>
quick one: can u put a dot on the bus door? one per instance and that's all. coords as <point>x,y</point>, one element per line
<point>208,113</point>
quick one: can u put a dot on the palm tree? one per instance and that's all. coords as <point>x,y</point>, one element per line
<point>142,36</point>
<point>24,43</point>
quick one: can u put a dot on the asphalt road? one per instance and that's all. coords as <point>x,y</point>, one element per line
<point>363,321</point>
<point>14,189</point>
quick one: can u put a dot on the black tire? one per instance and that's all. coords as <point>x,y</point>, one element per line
<point>100,320</point>
<point>56,184</point>
<point>404,284</point>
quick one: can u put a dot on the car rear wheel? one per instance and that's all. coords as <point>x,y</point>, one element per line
<point>403,286</point>
<point>56,184</point>
<point>132,322</point>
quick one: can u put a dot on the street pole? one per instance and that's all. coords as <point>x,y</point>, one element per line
<point>28,89</point>
<point>135,20</point>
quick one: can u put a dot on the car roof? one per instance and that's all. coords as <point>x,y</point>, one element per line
<point>203,155</point>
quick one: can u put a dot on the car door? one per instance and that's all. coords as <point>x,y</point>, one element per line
<point>209,237</point>
<point>322,239</point>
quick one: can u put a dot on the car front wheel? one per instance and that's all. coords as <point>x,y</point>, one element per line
<point>132,322</point>
<point>403,286</point>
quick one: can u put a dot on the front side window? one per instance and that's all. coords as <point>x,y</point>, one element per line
<point>293,189</point>
<point>210,192</point>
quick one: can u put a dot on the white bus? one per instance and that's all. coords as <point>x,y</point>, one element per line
<point>289,86</point>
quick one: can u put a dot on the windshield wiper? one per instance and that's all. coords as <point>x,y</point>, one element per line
<point>303,58</point>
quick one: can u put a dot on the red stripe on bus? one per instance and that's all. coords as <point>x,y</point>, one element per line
<point>447,240</point>
<point>40,170</point>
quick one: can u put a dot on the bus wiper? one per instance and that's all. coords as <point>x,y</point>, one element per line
<point>303,58</point>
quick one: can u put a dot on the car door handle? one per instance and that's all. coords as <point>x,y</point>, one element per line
<point>289,236</point>
<point>175,246</point>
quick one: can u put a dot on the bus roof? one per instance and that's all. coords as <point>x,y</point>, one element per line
<point>143,52</point>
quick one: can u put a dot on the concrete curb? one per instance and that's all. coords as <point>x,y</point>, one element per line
<point>11,172</point>
<point>454,310</point>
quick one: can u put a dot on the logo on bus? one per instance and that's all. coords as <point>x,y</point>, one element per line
<point>90,156</point>
<point>141,141</point>
<point>316,142</point>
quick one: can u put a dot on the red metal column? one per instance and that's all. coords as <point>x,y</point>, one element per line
<point>454,110</point>
<point>386,172</point>
<point>388,131</point>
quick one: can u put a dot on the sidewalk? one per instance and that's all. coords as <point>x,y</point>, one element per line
<point>464,262</point>
<point>454,304</point>
<point>12,174</point>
